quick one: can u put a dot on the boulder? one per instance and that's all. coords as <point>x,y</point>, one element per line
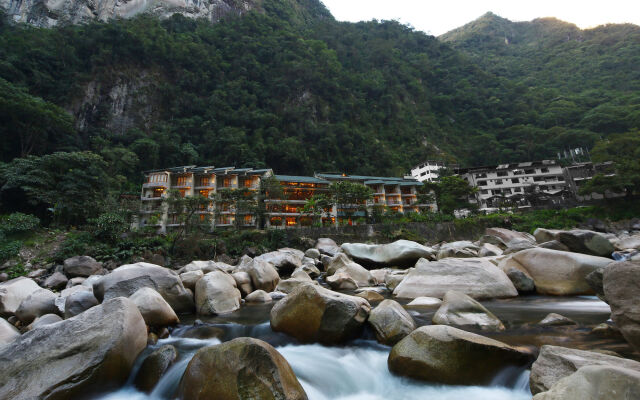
<point>555,363</point>
<point>77,302</point>
<point>127,279</point>
<point>154,366</point>
<point>554,245</point>
<point>460,310</point>
<point>401,253</point>
<point>327,246</point>
<point>393,278</point>
<point>38,303</point>
<point>216,293</point>
<point>443,354</point>
<point>517,274</point>
<point>206,266</point>
<point>310,269</point>
<point>515,247</point>
<point>553,319</point>
<point>629,242</point>
<point>391,322</point>
<point>78,280</point>
<point>586,242</point>
<point>8,332</point>
<point>544,235</point>
<point>189,279</point>
<point>90,353</point>
<point>312,253</point>
<point>243,282</point>
<point>559,272</point>
<point>460,249</point>
<point>506,236</point>
<point>289,285</point>
<point>314,314</point>
<point>349,271</point>
<point>13,293</point>
<point>621,283</point>
<point>595,382</point>
<point>81,266</point>
<point>595,281</point>
<point>46,319</point>
<point>475,277</point>
<point>285,261</point>
<point>36,273</point>
<point>370,295</point>
<point>380,275</point>
<point>425,302</point>
<point>259,296</point>
<point>263,274</point>
<point>488,250</point>
<point>243,368</point>
<point>56,281</point>
<point>342,281</point>
<point>154,309</point>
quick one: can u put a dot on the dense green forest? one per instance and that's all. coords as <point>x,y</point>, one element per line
<point>290,88</point>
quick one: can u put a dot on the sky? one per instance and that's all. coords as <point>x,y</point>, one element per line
<point>438,17</point>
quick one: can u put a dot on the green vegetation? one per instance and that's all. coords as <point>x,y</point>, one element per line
<point>451,193</point>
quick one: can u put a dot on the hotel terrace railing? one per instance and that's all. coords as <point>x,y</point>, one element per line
<point>155,185</point>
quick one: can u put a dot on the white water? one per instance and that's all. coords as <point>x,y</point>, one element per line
<point>344,373</point>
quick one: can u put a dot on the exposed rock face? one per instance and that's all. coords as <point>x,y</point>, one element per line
<point>243,368</point>
<point>475,277</point>
<point>630,242</point>
<point>461,249</point>
<point>621,283</point>
<point>81,266</point>
<point>8,332</point>
<point>49,14</point>
<point>586,242</point>
<point>38,303</point>
<point>401,253</point>
<point>391,322</point>
<point>559,272</point>
<point>154,366</point>
<point>86,354</point>
<point>13,293</point>
<point>460,310</point>
<point>555,363</point>
<point>595,382</point>
<point>443,354</point>
<point>216,293</point>
<point>154,309</point>
<point>127,279</point>
<point>313,314</point>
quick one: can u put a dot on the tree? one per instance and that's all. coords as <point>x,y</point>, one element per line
<point>451,192</point>
<point>184,210</point>
<point>349,197</point>
<point>270,189</point>
<point>316,206</point>
<point>241,202</point>
<point>624,150</point>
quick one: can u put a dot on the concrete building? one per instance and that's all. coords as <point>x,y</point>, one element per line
<point>517,185</point>
<point>578,174</point>
<point>428,171</point>
<point>296,190</point>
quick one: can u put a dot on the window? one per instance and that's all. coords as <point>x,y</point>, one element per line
<point>482,183</point>
<point>498,181</point>
<point>291,221</point>
<point>515,180</point>
<point>204,181</point>
<point>544,170</point>
<point>529,171</point>
<point>182,181</point>
<point>502,173</point>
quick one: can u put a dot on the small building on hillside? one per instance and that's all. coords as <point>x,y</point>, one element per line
<point>286,210</point>
<point>428,171</point>
<point>578,174</point>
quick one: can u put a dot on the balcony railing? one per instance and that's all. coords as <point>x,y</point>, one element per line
<point>155,185</point>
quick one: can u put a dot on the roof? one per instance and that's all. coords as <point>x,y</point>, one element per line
<point>370,180</point>
<point>301,179</point>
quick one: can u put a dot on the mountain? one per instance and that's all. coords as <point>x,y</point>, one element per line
<point>287,86</point>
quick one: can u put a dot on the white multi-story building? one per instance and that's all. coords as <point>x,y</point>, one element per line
<point>428,171</point>
<point>517,184</point>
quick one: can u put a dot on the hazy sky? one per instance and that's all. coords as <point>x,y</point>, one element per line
<point>437,17</point>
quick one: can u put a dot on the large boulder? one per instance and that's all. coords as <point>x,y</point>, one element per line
<point>78,302</point>
<point>327,246</point>
<point>460,249</point>
<point>360,276</point>
<point>543,235</point>
<point>595,382</point>
<point>154,366</point>
<point>314,314</point>
<point>518,275</point>
<point>504,237</point>
<point>189,279</point>
<point>8,332</point>
<point>38,303</point>
<point>127,279</point>
<point>460,310</point>
<point>553,319</point>
<point>154,309</point>
<point>81,266</point>
<point>391,322</point>
<point>443,354</point>
<point>559,272</point>
<point>263,274</point>
<point>75,358</point>
<point>621,283</point>
<point>555,363</point>
<point>289,285</point>
<point>46,319</point>
<point>216,293</point>
<point>206,266</point>
<point>13,293</point>
<point>243,282</point>
<point>628,243</point>
<point>401,253</point>
<point>475,277</point>
<point>285,261</point>
<point>586,242</point>
<point>56,281</point>
<point>258,297</point>
<point>243,368</point>
<point>489,250</point>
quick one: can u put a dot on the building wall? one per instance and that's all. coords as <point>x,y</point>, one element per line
<point>428,171</point>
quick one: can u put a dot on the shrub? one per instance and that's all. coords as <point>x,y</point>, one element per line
<point>9,249</point>
<point>109,226</point>
<point>19,223</point>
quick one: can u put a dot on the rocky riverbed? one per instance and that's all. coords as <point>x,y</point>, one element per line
<point>555,315</point>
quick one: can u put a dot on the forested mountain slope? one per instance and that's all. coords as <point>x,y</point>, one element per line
<point>287,87</point>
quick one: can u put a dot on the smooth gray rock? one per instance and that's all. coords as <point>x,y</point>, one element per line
<point>81,266</point>
<point>8,332</point>
<point>75,358</point>
<point>243,282</point>
<point>13,293</point>
<point>586,242</point>
<point>38,303</point>
<point>189,279</point>
<point>216,293</point>
<point>553,319</point>
<point>258,296</point>
<point>621,284</point>
<point>425,302</point>
<point>127,279</point>
<point>285,261</point>
<point>488,250</point>
<point>506,236</point>
<point>554,245</point>
<point>46,319</point>
<point>460,249</point>
<point>79,302</point>
<point>56,281</point>
<point>312,253</point>
<point>475,277</point>
<point>555,363</point>
<point>462,311</point>
<point>206,266</point>
<point>154,366</point>
<point>401,253</point>
<point>391,322</point>
<point>154,309</point>
<point>361,276</point>
<point>263,274</point>
<point>327,246</point>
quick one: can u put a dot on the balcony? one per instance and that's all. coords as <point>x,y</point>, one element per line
<point>155,185</point>
<point>210,186</point>
<point>154,198</point>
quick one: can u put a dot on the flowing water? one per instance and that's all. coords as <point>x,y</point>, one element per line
<point>358,371</point>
